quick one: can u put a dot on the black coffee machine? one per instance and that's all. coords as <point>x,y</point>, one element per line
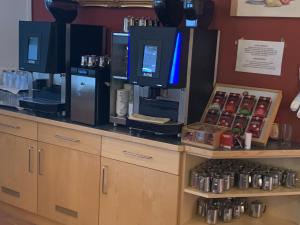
<point>52,48</point>
<point>173,72</point>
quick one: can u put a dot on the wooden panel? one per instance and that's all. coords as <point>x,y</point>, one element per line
<point>18,127</point>
<point>18,172</point>
<point>243,154</point>
<point>133,195</point>
<point>251,192</point>
<point>246,220</point>
<point>81,141</point>
<point>25,215</point>
<point>142,155</point>
<point>68,184</point>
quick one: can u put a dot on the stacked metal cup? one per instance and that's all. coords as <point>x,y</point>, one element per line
<point>219,176</point>
<point>224,210</point>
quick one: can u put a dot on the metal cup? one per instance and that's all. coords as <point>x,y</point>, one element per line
<point>267,183</point>
<point>142,22</point>
<point>217,185</point>
<point>206,183</point>
<point>257,180</point>
<point>84,60</point>
<point>257,209</point>
<point>92,60</point>
<point>227,182</point>
<point>194,180</point>
<point>237,210</point>
<point>290,178</point>
<point>212,215</point>
<point>232,178</point>
<point>128,22</point>
<point>242,205</point>
<point>202,207</point>
<point>102,61</point>
<point>276,179</point>
<point>227,214</point>
<point>244,180</point>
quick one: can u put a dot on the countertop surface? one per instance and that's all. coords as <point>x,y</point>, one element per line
<point>121,132</point>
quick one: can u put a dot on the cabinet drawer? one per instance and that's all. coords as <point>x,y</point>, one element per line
<point>85,142</point>
<point>142,155</point>
<point>18,127</point>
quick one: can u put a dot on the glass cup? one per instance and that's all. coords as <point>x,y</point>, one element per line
<point>286,133</point>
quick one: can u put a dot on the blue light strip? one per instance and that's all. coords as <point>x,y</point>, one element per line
<point>128,58</point>
<point>174,77</point>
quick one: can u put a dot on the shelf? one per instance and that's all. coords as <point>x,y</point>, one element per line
<point>246,220</point>
<point>243,154</point>
<point>251,192</point>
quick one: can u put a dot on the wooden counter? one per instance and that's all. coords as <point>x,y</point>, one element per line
<point>105,176</point>
<point>72,174</point>
<point>100,132</point>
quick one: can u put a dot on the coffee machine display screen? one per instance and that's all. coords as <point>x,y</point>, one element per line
<point>149,60</point>
<point>33,44</point>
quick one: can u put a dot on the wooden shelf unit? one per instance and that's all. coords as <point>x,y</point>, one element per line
<point>251,192</point>
<point>247,220</point>
<point>243,154</point>
<point>282,203</point>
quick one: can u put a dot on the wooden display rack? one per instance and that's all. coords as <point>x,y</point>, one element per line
<point>246,220</point>
<point>251,192</point>
<point>282,203</point>
<point>275,95</point>
<point>243,154</point>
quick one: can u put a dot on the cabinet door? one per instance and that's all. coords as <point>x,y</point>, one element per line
<point>134,195</point>
<point>18,172</point>
<point>68,185</point>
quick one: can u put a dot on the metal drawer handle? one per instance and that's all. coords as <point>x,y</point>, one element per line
<point>30,167</point>
<point>104,179</point>
<point>140,156</point>
<point>66,211</point>
<point>67,138</point>
<point>10,126</point>
<point>40,151</point>
<point>10,192</point>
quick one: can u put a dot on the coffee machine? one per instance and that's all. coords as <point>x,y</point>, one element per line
<point>50,49</point>
<point>172,71</point>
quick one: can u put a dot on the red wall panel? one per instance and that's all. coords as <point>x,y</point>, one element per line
<point>232,28</point>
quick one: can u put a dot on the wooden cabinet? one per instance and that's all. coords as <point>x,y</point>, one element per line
<point>69,138</point>
<point>18,172</point>
<point>18,127</point>
<point>141,155</point>
<point>56,175</point>
<point>117,3</point>
<point>68,185</point>
<point>134,195</point>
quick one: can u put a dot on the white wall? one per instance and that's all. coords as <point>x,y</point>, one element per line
<point>11,11</point>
